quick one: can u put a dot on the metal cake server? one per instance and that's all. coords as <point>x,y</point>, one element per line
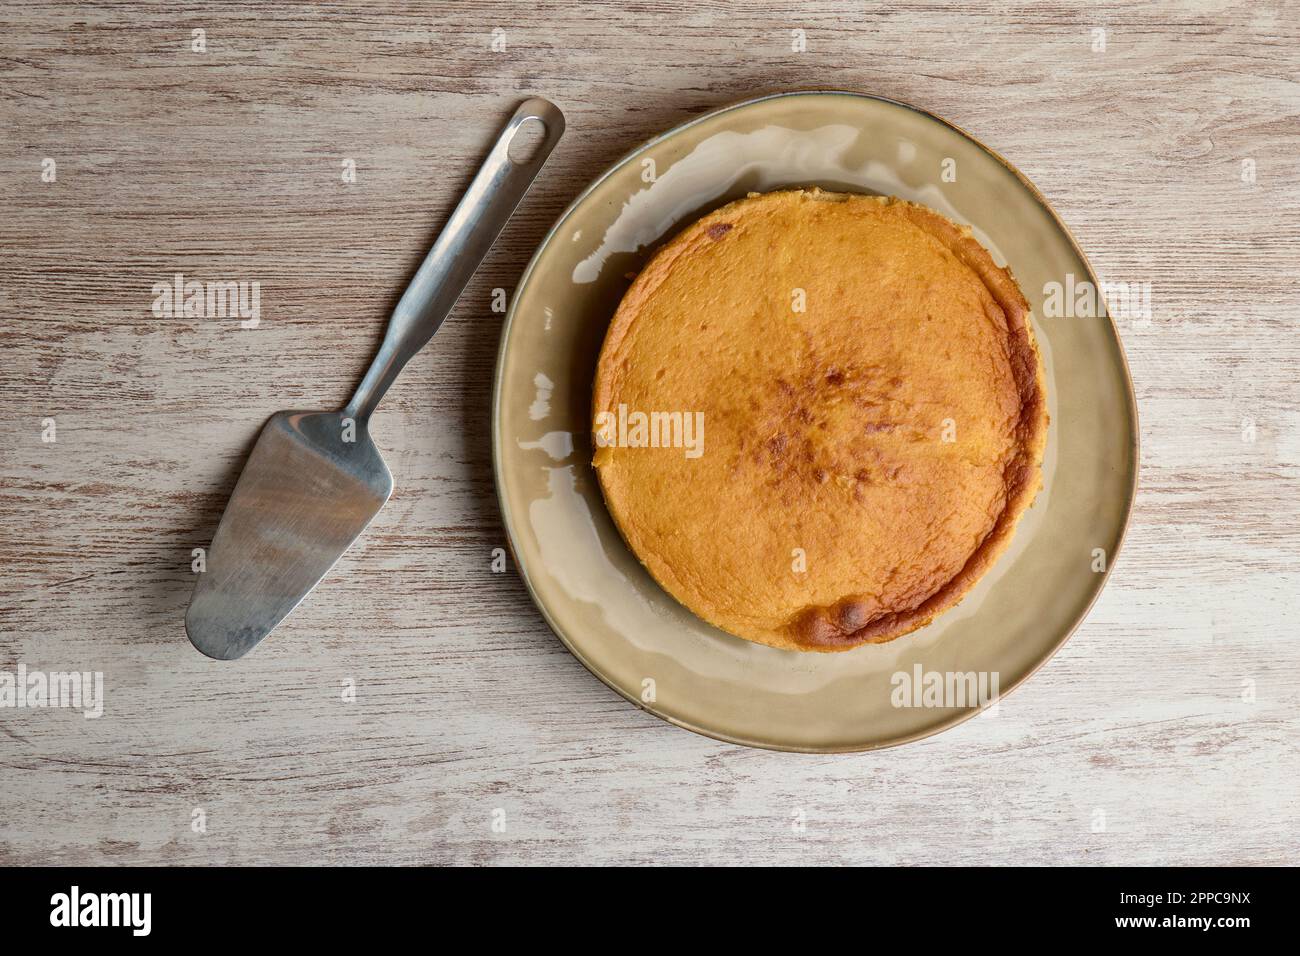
<point>315,479</point>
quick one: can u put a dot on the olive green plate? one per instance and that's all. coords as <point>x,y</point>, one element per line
<point>597,597</point>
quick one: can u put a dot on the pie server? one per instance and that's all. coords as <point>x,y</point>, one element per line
<point>315,479</point>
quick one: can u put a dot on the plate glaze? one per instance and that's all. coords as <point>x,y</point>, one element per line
<point>593,592</point>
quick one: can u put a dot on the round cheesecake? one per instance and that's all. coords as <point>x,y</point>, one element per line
<point>817,417</point>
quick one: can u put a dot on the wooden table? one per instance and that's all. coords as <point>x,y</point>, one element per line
<point>1167,729</point>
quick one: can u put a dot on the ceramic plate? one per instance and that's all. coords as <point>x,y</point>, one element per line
<point>608,610</point>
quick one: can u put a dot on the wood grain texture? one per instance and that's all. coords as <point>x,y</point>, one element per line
<point>226,165</point>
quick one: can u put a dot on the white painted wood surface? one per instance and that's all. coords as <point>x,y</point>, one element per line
<point>226,165</point>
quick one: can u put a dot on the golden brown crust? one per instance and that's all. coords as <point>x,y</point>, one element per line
<point>833,451</point>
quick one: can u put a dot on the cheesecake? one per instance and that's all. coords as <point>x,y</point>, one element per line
<point>817,417</point>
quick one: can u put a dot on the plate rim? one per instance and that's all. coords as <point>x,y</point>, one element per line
<point>949,722</point>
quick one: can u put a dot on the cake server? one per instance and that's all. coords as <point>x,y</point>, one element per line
<point>315,479</point>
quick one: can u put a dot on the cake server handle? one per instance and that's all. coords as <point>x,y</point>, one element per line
<point>478,219</point>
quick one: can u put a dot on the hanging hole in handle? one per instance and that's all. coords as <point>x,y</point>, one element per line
<point>527,141</point>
